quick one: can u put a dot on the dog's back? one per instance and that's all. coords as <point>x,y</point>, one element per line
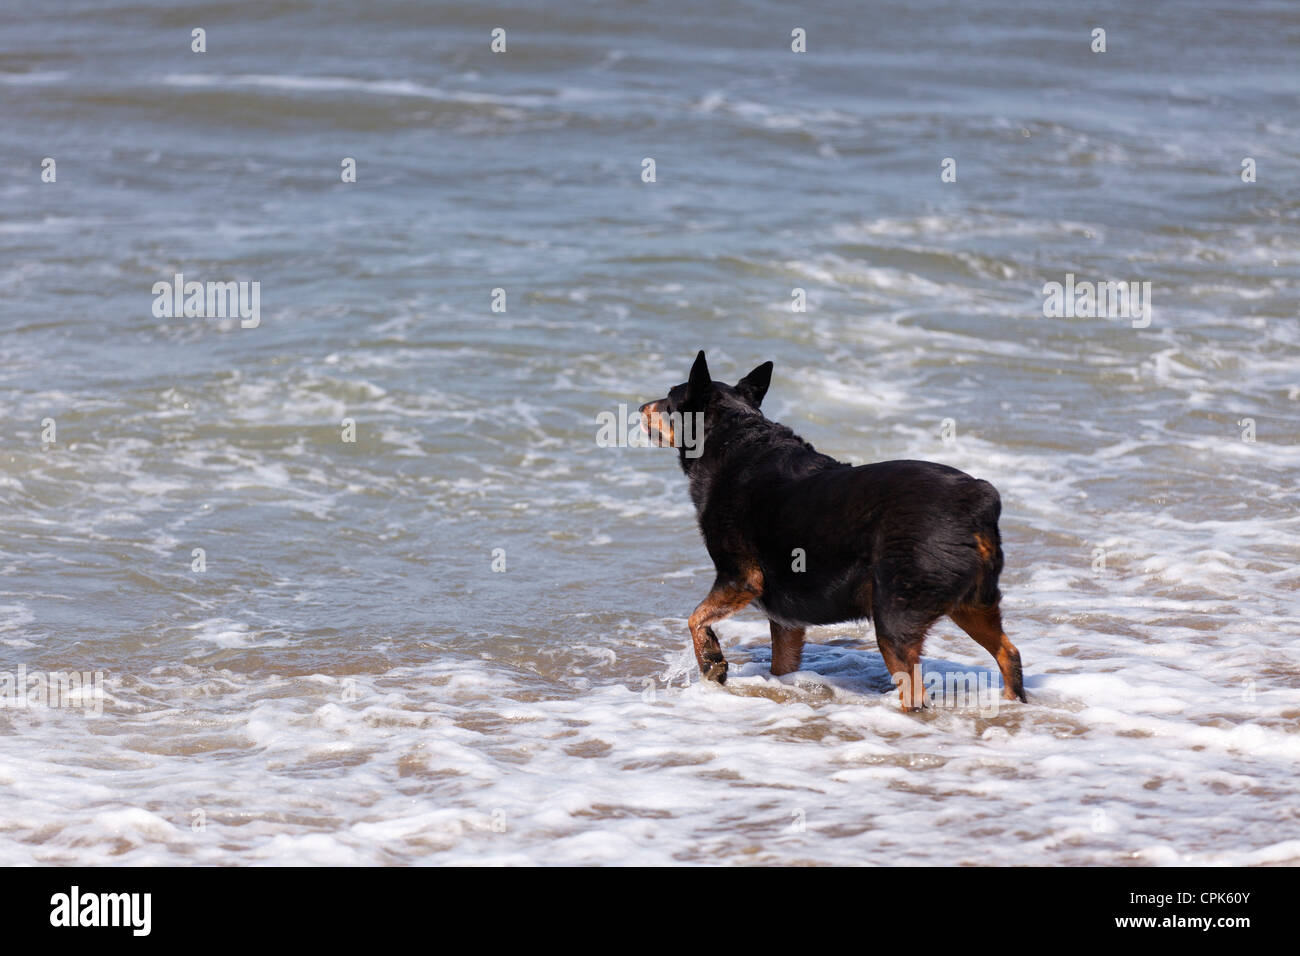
<point>823,540</point>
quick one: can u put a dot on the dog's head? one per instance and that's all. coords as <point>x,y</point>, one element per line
<point>679,418</point>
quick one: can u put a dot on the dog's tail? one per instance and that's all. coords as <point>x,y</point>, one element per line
<point>987,508</point>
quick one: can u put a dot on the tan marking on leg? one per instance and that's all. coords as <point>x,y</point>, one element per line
<point>984,625</point>
<point>911,693</point>
<point>900,673</point>
<point>787,648</point>
<point>723,601</point>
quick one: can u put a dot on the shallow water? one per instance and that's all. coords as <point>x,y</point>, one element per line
<point>349,681</point>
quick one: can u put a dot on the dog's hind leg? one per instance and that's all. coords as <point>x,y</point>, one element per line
<point>984,624</point>
<point>900,635</point>
<point>787,648</point>
<point>724,600</point>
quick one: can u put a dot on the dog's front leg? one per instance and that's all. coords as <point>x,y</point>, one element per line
<point>724,600</point>
<point>787,648</point>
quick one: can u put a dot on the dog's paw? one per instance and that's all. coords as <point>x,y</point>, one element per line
<point>717,671</point>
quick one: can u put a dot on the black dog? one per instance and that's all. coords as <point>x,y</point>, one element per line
<point>811,540</point>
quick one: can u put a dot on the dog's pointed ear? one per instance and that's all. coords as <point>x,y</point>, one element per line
<point>700,383</point>
<point>754,385</point>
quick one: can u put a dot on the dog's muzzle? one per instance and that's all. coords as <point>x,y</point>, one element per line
<point>656,423</point>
